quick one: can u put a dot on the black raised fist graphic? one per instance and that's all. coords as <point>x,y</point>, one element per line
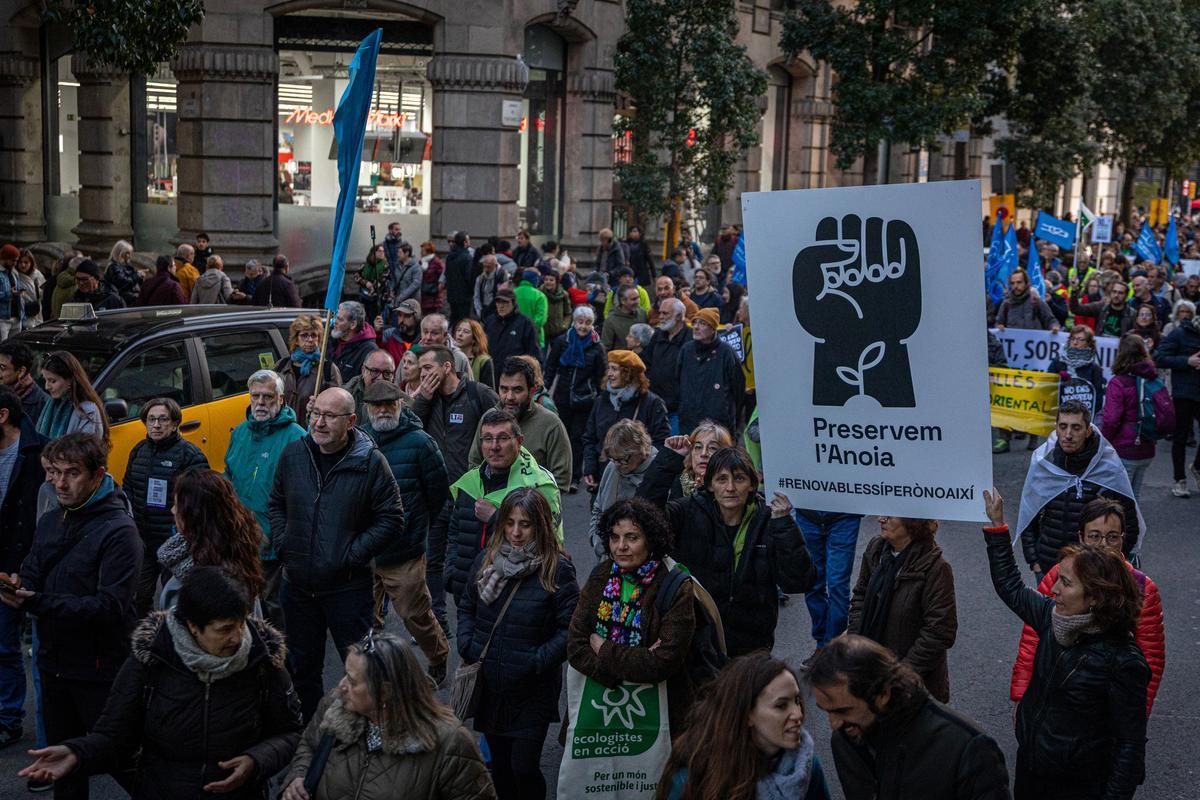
<point>857,290</point>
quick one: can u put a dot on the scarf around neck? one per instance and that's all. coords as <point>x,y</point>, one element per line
<point>304,362</point>
<point>55,417</point>
<point>621,622</point>
<point>790,777</point>
<point>1069,628</point>
<point>208,668</point>
<point>573,354</point>
<point>175,555</point>
<point>510,562</point>
<point>618,397</point>
<point>1080,357</point>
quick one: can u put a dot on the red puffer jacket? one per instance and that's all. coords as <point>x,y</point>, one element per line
<point>1149,637</point>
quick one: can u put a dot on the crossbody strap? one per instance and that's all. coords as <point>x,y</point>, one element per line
<point>496,624</point>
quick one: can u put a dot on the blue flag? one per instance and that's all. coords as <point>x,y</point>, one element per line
<point>1146,246</point>
<point>1011,256</point>
<point>1034,268</point>
<point>738,274</point>
<point>992,280</point>
<point>1171,246</point>
<point>350,128</point>
<point>1055,230</point>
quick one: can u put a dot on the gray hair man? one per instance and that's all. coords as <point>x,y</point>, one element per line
<point>379,366</point>
<point>254,450</point>
<point>661,356</point>
<point>355,338</point>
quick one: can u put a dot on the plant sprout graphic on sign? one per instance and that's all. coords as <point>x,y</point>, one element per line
<point>857,290</point>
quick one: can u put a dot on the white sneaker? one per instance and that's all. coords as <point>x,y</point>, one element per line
<point>1180,489</point>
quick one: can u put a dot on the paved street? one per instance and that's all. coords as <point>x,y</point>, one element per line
<point>981,660</point>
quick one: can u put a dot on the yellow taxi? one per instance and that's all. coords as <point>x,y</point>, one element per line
<point>199,356</point>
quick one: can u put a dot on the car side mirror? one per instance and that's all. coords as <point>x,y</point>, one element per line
<point>116,409</point>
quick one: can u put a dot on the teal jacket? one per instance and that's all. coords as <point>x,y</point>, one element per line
<point>254,450</point>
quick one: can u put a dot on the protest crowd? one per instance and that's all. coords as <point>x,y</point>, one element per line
<point>412,454</point>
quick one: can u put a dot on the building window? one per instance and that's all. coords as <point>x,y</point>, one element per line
<point>538,200</point>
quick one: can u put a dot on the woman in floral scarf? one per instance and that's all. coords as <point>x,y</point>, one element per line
<point>617,633</point>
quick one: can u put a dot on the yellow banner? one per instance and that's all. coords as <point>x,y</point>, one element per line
<point>1023,400</point>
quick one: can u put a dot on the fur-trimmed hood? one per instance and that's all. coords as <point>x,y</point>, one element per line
<point>151,641</point>
<point>350,728</point>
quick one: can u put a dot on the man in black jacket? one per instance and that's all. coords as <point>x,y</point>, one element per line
<point>710,378</point>
<point>21,477</point>
<point>334,506</point>
<point>78,579</point>
<point>662,356</point>
<point>90,287</point>
<point>277,289</point>
<point>460,277</point>
<point>509,332</point>
<point>420,474</point>
<point>1055,524</point>
<point>890,736</point>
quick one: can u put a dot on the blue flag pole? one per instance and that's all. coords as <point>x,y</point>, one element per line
<point>350,129</point>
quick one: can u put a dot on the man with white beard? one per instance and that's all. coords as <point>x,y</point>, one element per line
<point>661,356</point>
<point>420,473</point>
<point>254,450</point>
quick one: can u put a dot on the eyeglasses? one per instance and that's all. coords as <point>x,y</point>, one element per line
<point>157,420</point>
<point>503,438</point>
<point>1095,538</point>
<point>387,374</point>
<point>709,448</point>
<point>620,461</point>
<point>327,415</point>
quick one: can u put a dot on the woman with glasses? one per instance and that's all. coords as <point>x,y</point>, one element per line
<point>706,439</point>
<point>385,735</point>
<point>204,697</point>
<point>1081,724</point>
<point>904,599</point>
<point>1102,524</point>
<point>299,369</point>
<point>149,483</point>
<point>518,604</point>
<point>629,452</point>
<point>626,395</point>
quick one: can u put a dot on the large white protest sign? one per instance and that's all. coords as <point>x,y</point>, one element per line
<point>871,356</point>
<point>1034,350</point>
<point>1102,230</point>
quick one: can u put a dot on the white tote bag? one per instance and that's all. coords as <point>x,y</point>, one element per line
<point>618,740</point>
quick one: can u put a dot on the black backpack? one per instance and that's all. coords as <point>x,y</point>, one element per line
<point>706,654</point>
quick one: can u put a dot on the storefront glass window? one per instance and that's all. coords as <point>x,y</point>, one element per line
<point>395,172</point>
<point>162,164</point>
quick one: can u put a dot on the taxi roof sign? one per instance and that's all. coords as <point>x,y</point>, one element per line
<point>79,312</point>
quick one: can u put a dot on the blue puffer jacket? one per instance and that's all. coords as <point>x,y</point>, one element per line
<point>420,473</point>
<point>522,673</point>
<point>254,450</point>
<point>1173,354</point>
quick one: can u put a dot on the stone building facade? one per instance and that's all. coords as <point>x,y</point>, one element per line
<point>490,115</point>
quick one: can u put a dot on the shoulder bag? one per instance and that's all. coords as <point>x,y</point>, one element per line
<point>467,691</point>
